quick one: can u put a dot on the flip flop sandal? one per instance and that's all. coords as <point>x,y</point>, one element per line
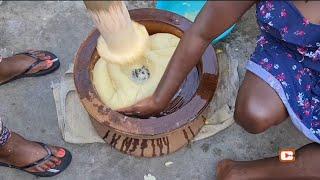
<point>55,65</point>
<point>65,161</point>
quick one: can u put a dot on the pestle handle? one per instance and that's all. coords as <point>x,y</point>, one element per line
<point>97,5</point>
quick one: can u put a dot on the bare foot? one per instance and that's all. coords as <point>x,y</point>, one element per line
<point>21,152</point>
<point>17,64</point>
<point>305,167</point>
<point>224,170</point>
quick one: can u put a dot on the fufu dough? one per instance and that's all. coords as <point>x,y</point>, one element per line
<point>122,85</point>
<point>125,46</point>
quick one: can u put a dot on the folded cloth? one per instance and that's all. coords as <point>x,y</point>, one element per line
<point>76,127</point>
<point>73,120</point>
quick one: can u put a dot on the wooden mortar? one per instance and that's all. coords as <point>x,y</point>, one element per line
<point>153,136</point>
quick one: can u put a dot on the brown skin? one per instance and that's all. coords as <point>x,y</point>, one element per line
<point>258,107</point>
<point>15,65</point>
<point>19,151</point>
<point>191,47</point>
<point>306,167</point>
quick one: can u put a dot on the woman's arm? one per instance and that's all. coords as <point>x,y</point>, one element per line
<point>214,19</point>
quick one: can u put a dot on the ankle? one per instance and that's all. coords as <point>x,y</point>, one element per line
<point>7,149</point>
<point>230,170</point>
<point>224,168</point>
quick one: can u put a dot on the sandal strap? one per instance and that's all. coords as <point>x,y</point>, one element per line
<point>48,156</point>
<point>30,54</point>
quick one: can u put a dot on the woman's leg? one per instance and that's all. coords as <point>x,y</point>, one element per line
<point>17,64</point>
<point>17,151</point>
<point>258,107</point>
<point>306,167</point>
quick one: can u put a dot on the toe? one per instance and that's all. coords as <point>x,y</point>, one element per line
<point>61,153</point>
<point>48,63</point>
<point>58,152</point>
<point>57,161</point>
<point>51,164</point>
<point>45,166</point>
<point>37,169</point>
<point>41,66</point>
<point>39,54</point>
<point>47,58</point>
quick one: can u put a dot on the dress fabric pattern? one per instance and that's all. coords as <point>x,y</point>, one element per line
<point>5,134</point>
<point>287,57</point>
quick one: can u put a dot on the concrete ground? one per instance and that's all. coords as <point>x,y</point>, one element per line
<point>28,107</point>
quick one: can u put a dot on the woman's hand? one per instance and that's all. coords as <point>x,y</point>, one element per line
<point>144,108</point>
<point>211,22</point>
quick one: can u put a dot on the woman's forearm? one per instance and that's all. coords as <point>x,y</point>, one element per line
<point>185,57</point>
<point>212,21</point>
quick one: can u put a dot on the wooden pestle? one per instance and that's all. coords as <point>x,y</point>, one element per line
<point>123,40</point>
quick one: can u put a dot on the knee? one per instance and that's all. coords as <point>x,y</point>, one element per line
<point>252,118</point>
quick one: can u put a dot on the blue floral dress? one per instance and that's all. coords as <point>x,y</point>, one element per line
<point>287,57</point>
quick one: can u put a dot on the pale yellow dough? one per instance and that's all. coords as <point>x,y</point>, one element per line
<point>125,46</point>
<point>114,82</point>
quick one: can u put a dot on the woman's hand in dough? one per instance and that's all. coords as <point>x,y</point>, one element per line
<point>144,108</point>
